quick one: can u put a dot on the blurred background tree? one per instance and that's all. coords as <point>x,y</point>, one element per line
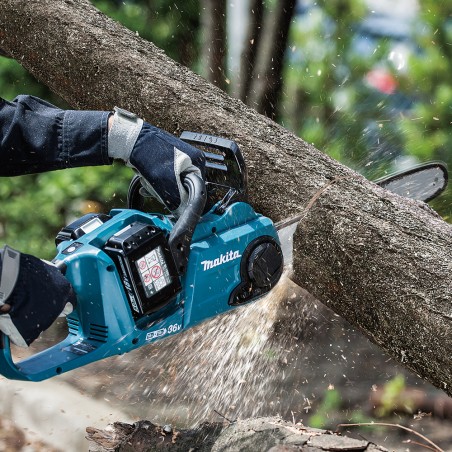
<point>368,85</point>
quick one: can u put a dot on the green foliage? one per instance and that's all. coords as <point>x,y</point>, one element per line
<point>329,103</point>
<point>35,207</point>
<point>391,398</point>
<point>330,404</point>
<point>15,80</point>
<point>172,26</point>
<point>329,414</point>
<point>323,81</point>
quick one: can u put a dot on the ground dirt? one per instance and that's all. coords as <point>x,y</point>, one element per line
<point>14,439</point>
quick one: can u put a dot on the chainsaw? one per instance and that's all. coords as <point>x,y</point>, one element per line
<point>141,277</point>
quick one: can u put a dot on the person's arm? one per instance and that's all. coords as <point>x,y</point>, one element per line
<point>36,136</point>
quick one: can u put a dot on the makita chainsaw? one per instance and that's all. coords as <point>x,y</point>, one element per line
<point>140,277</point>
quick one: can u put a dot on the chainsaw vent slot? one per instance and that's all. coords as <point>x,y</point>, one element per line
<point>98,332</point>
<point>73,325</point>
<point>215,161</point>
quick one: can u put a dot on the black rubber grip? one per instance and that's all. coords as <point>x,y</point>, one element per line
<point>134,198</point>
<point>182,233</point>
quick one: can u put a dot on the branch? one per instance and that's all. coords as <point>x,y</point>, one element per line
<point>402,427</point>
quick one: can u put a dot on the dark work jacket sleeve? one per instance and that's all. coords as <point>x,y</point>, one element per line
<point>36,136</point>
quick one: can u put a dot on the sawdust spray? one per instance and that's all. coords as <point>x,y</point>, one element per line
<point>226,366</point>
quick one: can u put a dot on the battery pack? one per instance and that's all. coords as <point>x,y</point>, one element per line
<point>146,267</point>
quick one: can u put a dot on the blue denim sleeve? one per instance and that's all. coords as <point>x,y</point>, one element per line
<point>36,136</point>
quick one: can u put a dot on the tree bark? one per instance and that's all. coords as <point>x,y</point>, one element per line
<point>381,261</point>
<point>263,434</point>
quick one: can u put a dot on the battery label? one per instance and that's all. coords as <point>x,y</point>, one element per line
<point>153,271</point>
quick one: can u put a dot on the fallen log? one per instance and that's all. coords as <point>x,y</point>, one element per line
<point>263,434</point>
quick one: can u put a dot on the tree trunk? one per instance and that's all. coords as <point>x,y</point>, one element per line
<point>381,261</point>
<point>249,53</point>
<point>214,41</point>
<point>266,83</point>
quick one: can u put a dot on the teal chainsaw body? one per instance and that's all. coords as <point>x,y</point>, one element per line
<point>141,277</point>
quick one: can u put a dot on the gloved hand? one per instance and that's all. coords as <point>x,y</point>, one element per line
<point>160,158</point>
<point>33,293</point>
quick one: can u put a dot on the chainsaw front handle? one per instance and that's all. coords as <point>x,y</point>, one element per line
<point>182,233</point>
